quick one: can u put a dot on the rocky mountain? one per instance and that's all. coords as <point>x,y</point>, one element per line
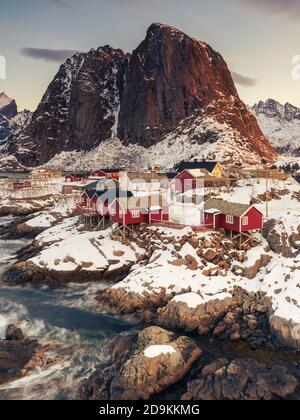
<point>78,110</point>
<point>11,121</point>
<point>172,93</point>
<point>280,124</point>
<point>8,106</point>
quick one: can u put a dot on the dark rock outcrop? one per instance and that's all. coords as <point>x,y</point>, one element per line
<point>132,375</point>
<point>241,380</point>
<point>15,353</point>
<point>78,110</point>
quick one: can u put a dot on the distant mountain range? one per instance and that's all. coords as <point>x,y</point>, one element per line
<point>280,124</point>
<point>173,98</point>
<point>11,121</point>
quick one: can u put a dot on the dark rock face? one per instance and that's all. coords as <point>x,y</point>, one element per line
<point>8,106</point>
<point>172,76</point>
<point>78,110</point>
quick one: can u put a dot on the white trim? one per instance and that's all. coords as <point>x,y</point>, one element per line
<point>135,214</point>
<point>243,219</point>
<point>250,208</point>
<point>231,218</point>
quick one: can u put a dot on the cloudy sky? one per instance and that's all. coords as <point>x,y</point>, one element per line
<point>258,38</point>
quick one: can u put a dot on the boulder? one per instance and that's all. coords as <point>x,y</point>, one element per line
<point>288,332</point>
<point>139,367</point>
<point>210,254</point>
<point>160,359</point>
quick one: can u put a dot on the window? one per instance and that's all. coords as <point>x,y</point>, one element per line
<point>229,220</point>
<point>135,214</point>
<point>245,221</point>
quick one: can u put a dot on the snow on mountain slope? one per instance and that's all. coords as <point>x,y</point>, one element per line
<point>193,139</point>
<point>280,124</point>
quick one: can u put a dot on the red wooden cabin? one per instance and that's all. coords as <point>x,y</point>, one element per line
<point>107,173</point>
<point>233,217</point>
<point>188,180</point>
<point>138,210</point>
<point>82,177</point>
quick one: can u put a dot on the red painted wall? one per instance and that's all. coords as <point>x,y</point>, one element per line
<point>102,174</point>
<point>235,227</point>
<point>118,217</point>
<point>218,221</point>
<point>256,220</point>
<point>208,219</point>
<point>160,216</point>
<point>184,182</point>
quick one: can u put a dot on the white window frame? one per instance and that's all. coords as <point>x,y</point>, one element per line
<point>229,220</point>
<point>135,214</point>
<point>245,221</point>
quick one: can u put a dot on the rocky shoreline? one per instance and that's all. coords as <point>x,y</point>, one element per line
<point>159,364</point>
<point>19,356</point>
<point>195,288</point>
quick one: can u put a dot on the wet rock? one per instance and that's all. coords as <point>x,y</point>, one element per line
<point>14,333</point>
<point>241,380</point>
<point>134,372</point>
<point>15,354</point>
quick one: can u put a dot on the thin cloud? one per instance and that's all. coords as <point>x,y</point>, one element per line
<point>54,56</point>
<point>290,8</point>
<point>243,80</point>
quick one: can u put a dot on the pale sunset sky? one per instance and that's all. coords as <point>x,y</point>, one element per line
<point>257,38</point>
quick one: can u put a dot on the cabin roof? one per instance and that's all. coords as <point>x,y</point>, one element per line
<point>209,166</point>
<point>79,175</point>
<point>226,207</point>
<point>109,170</point>
<point>105,184</point>
<point>142,176</point>
<point>169,175</point>
<point>148,202</point>
<point>108,195</point>
<point>198,173</point>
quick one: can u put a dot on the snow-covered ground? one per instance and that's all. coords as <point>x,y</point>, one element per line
<point>280,279</point>
<point>70,249</point>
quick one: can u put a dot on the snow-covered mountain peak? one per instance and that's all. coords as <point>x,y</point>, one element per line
<point>280,124</point>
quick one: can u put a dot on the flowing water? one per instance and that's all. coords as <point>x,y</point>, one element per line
<point>68,317</point>
<point>56,316</point>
